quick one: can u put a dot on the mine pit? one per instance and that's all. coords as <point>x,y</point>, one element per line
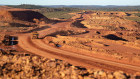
<point>114,37</point>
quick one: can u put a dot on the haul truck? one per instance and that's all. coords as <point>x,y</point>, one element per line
<point>35,35</point>
<point>10,40</point>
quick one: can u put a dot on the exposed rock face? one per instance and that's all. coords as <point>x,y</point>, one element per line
<point>26,66</point>
<point>108,20</point>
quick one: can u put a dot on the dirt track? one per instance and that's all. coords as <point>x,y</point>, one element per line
<point>39,48</point>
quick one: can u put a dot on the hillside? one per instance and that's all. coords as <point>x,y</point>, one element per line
<point>27,15</point>
<point>50,12</point>
<point>20,19</point>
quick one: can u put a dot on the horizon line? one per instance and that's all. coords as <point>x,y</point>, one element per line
<point>68,5</point>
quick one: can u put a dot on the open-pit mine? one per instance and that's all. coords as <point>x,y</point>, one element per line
<point>90,45</point>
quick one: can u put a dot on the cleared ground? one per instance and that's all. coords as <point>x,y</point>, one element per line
<point>86,42</point>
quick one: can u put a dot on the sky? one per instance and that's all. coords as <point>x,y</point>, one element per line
<point>71,2</point>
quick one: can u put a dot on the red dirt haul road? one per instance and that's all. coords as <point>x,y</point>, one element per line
<point>38,47</point>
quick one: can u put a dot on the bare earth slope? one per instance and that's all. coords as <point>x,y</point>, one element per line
<point>21,14</point>
<point>108,20</point>
<point>22,18</point>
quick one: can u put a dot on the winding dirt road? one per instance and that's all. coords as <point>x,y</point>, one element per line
<point>38,47</point>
